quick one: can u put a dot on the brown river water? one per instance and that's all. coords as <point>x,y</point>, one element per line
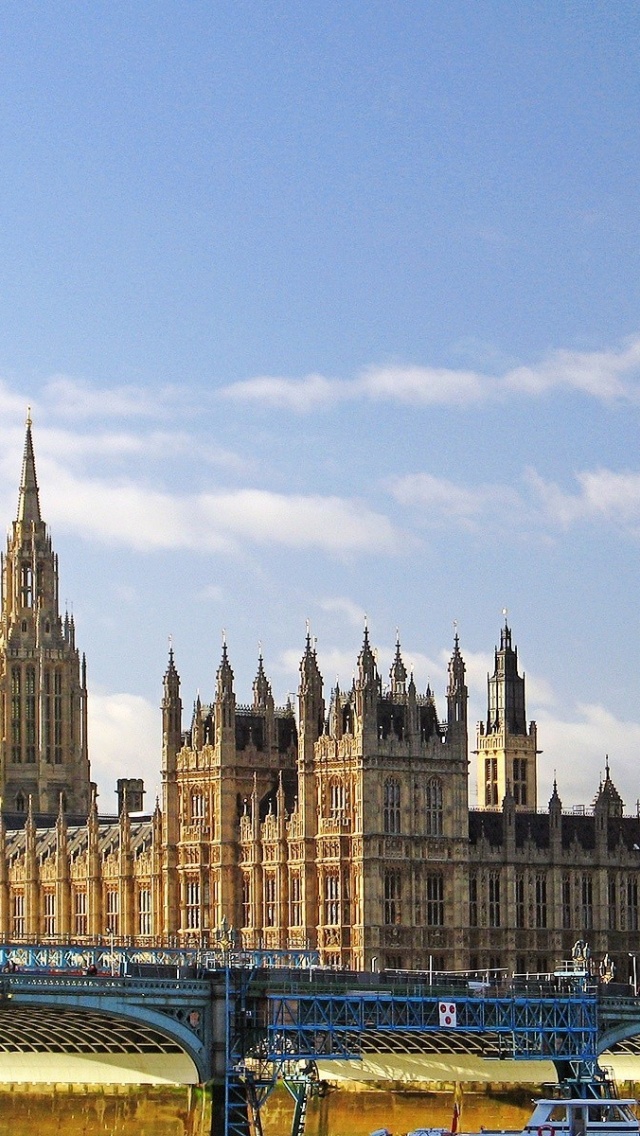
<point>180,1111</point>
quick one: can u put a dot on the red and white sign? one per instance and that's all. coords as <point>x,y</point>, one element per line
<point>448,1014</point>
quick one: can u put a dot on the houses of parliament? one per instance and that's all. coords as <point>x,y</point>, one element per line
<point>341,824</point>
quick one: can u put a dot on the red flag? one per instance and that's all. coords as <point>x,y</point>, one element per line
<point>457,1108</point>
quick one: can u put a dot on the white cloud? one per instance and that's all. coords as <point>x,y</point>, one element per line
<point>73,398</point>
<point>608,376</point>
<point>576,751</point>
<point>603,495</point>
<point>336,524</point>
<point>301,395</point>
<point>146,519</point>
<point>124,741</point>
<point>444,501</point>
<point>342,606</point>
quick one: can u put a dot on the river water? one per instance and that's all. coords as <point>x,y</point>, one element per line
<point>180,1111</point>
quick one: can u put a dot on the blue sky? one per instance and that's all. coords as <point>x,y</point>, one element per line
<point>325,310</point>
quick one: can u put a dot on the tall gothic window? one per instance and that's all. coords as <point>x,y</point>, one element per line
<point>18,916</point>
<point>491,781</point>
<point>46,740</point>
<point>57,718</point>
<point>336,799</point>
<point>30,715</point>
<point>632,904</point>
<point>295,899</point>
<point>27,585</point>
<point>332,899</point>
<point>541,901</point>
<point>113,912</point>
<point>16,715</point>
<point>392,898</point>
<point>193,904</point>
<point>473,901</point>
<point>519,898</point>
<point>270,900</point>
<point>612,904</point>
<point>494,899</point>
<point>49,912</point>
<point>80,912</point>
<point>520,780</point>
<point>566,902</point>
<point>391,813</point>
<point>197,807</point>
<point>434,809</point>
<point>586,894</point>
<point>435,899</point>
<point>144,911</point>
<point>246,899</point>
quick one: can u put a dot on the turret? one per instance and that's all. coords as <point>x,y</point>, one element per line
<point>506,748</point>
<point>171,716</point>
<point>368,689</point>
<point>263,703</point>
<point>225,703</point>
<point>555,820</point>
<point>457,699</point>
<point>310,701</point>
<point>398,676</point>
<point>506,689</point>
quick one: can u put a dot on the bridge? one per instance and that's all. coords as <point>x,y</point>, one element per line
<point>238,1023</point>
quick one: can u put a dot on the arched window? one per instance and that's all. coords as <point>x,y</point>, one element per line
<point>30,715</point>
<point>392,898</point>
<point>197,807</point>
<point>336,799</point>
<point>391,811</point>
<point>433,805</point>
<point>16,716</point>
<point>27,585</point>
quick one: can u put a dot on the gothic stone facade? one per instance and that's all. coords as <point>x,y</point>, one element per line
<point>342,826</point>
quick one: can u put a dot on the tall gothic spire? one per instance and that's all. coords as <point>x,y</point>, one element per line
<point>28,498</point>
<point>43,740</point>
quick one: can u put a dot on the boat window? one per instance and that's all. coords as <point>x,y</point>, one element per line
<point>558,1114</point>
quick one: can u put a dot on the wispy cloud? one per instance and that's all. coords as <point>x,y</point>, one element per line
<point>343,606</point>
<point>602,496</point>
<point>146,519</point>
<point>72,398</point>
<point>608,376</point>
<point>443,501</point>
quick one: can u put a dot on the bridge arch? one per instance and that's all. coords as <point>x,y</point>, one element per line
<point>139,1024</point>
<point>614,1034</point>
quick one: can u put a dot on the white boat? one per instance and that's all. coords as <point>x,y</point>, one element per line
<point>560,1114</point>
<point>579,1116</point>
